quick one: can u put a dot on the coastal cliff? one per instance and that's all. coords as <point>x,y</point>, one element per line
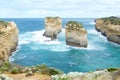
<point>110,27</point>
<point>53,26</point>
<point>8,39</point>
<point>76,35</point>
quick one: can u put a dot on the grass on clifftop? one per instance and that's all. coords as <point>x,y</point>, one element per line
<point>53,17</point>
<point>111,20</point>
<point>40,69</point>
<point>73,25</point>
<point>3,23</point>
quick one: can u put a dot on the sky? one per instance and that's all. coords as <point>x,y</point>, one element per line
<point>61,8</point>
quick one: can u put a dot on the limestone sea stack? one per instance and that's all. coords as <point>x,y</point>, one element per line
<point>8,39</point>
<point>53,26</point>
<point>76,35</point>
<point>110,27</point>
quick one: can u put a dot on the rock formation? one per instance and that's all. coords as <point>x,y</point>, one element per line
<point>97,75</point>
<point>53,25</point>
<point>76,35</point>
<point>110,27</point>
<point>8,39</point>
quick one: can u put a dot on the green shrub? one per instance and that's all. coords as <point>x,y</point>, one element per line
<point>111,20</point>
<point>112,69</point>
<point>2,32</point>
<point>15,70</point>
<point>63,79</point>
<point>5,66</point>
<point>73,25</point>
<point>3,23</point>
<point>53,71</point>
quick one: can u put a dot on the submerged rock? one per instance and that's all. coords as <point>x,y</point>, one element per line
<point>76,35</point>
<point>109,27</point>
<point>8,39</point>
<point>53,25</point>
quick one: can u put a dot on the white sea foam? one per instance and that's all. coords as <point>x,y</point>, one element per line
<point>92,31</point>
<point>14,53</point>
<point>36,36</point>
<point>41,42</point>
<point>92,23</point>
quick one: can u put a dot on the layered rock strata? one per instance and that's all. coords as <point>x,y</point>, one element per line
<point>53,26</point>
<point>76,35</point>
<point>110,27</point>
<point>8,39</point>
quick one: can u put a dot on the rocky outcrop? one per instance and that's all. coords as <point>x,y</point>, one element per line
<point>53,25</point>
<point>8,39</point>
<point>76,35</point>
<point>97,75</point>
<point>5,77</point>
<point>110,27</point>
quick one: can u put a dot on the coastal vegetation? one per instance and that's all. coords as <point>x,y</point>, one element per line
<point>3,23</point>
<point>52,17</point>
<point>2,32</point>
<point>40,69</point>
<point>111,20</point>
<point>73,25</point>
<point>112,69</point>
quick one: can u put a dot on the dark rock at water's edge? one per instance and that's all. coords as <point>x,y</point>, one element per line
<point>53,26</point>
<point>109,27</point>
<point>8,39</point>
<point>76,35</point>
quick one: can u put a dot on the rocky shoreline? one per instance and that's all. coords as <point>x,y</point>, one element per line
<point>106,74</point>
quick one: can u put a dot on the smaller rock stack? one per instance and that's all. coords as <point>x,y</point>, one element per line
<point>53,25</point>
<point>76,35</point>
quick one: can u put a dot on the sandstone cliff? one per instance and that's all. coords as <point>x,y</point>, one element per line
<point>76,35</point>
<point>110,27</point>
<point>8,39</point>
<point>53,25</point>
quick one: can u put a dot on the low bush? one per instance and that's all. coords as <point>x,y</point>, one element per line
<point>14,70</point>
<point>112,69</point>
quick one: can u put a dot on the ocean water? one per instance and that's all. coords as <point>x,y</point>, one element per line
<point>34,49</point>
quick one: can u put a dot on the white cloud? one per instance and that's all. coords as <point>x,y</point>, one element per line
<point>63,8</point>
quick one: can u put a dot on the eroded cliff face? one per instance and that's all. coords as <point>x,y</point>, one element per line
<point>8,39</point>
<point>76,35</point>
<point>109,27</point>
<point>53,25</point>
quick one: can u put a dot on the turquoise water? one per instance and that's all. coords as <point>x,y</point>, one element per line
<point>35,49</point>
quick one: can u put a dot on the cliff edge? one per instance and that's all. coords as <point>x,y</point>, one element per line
<point>110,27</point>
<point>76,35</point>
<point>8,39</point>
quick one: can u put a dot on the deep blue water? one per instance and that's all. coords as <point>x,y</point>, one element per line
<point>35,49</point>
